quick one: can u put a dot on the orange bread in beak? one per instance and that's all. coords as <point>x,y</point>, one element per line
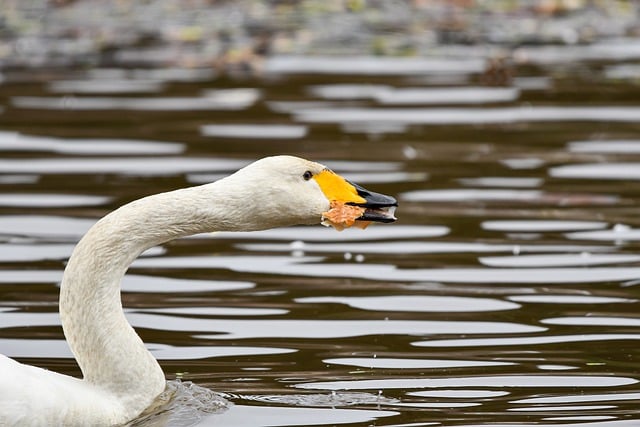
<point>341,216</point>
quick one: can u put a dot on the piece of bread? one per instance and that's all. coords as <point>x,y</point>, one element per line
<point>341,216</point>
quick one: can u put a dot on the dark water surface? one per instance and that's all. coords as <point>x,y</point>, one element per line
<point>506,294</point>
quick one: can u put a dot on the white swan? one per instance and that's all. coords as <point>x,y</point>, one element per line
<point>121,378</point>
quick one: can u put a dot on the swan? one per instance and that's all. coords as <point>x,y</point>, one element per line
<point>120,376</point>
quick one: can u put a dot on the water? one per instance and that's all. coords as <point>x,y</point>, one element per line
<point>506,294</point>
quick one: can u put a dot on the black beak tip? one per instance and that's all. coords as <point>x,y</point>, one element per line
<point>379,207</point>
<point>378,217</point>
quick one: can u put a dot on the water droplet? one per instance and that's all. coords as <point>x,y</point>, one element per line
<point>297,248</point>
<point>516,250</point>
<point>359,258</point>
<point>409,152</point>
<point>347,256</point>
<point>621,228</point>
<point>296,244</point>
<point>68,102</point>
<point>297,254</point>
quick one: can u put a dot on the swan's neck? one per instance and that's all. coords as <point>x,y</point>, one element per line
<point>108,350</point>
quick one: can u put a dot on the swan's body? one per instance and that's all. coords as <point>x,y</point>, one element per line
<point>121,378</point>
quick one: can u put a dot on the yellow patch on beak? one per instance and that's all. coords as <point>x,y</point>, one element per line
<point>336,188</point>
<point>341,194</point>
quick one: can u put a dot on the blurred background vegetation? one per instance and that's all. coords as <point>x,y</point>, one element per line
<point>235,36</point>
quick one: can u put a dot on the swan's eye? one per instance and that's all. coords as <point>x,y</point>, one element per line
<point>307,175</point>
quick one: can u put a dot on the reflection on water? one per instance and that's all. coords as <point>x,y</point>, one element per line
<point>50,200</point>
<point>557,260</point>
<point>142,166</point>
<point>541,225</point>
<point>371,65</point>
<point>506,293</point>
<point>526,341</point>
<point>496,181</point>
<point>246,416</point>
<point>543,381</point>
<point>417,303</point>
<point>568,299</point>
<point>410,363</point>
<point>248,131</point>
<point>619,171</point>
<point>13,141</point>
<point>471,116</point>
<point>408,96</point>
<point>106,86</point>
<point>581,398</point>
<point>232,99</point>
<point>313,267</point>
<point>56,349</point>
<point>609,146</point>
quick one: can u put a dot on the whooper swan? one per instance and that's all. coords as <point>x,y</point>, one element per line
<point>120,376</point>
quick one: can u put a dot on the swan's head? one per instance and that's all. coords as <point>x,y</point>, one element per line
<point>287,190</point>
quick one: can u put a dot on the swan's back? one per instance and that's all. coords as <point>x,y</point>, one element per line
<point>32,396</point>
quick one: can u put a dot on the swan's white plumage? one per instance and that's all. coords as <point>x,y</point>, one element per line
<point>121,378</point>
<point>32,396</point>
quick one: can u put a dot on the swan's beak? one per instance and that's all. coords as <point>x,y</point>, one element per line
<point>378,207</point>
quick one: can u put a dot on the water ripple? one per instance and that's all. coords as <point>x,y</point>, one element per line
<point>227,99</point>
<point>561,408</point>
<point>13,141</point>
<point>48,226</point>
<point>273,416</point>
<point>459,394</point>
<point>403,363</point>
<point>322,234</point>
<point>451,95</point>
<point>214,311</point>
<point>569,299</point>
<point>593,321</point>
<point>522,341</point>
<point>470,116</point>
<point>371,65</point>
<point>535,225</point>
<point>608,170</point>
<point>330,400</point>
<point>417,303</point>
<point>309,267</point>
<point>182,404</point>
<point>254,131</point>
<point>319,329</point>
<point>143,166</point>
<point>558,260</point>
<point>618,233</point>
<point>411,247</point>
<point>39,348</point>
<point>50,200</point>
<point>542,381</point>
<point>508,195</point>
<point>581,398</point>
<point>631,146</point>
<point>107,86</point>
<point>496,181</point>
